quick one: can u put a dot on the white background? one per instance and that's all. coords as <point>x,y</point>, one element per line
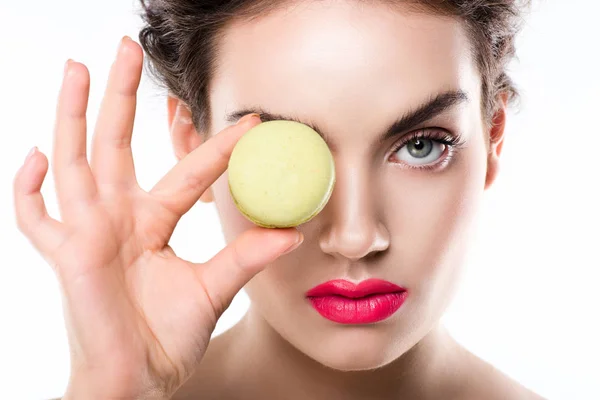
<point>529,300</point>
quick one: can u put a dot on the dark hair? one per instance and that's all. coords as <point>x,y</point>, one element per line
<point>181,37</point>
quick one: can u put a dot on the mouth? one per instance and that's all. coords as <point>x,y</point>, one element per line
<point>368,302</point>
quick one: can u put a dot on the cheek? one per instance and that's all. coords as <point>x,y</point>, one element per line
<point>430,214</point>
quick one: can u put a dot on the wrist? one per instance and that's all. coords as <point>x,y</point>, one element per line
<point>83,387</point>
<point>83,394</point>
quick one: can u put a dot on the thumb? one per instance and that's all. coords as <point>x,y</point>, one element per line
<point>229,270</point>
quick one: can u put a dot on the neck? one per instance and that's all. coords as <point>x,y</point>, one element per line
<point>269,361</point>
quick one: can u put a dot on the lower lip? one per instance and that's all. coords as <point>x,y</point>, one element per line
<point>364,310</point>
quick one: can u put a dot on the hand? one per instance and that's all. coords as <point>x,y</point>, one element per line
<point>138,318</point>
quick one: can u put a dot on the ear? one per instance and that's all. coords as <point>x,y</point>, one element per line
<point>496,140</point>
<point>184,136</point>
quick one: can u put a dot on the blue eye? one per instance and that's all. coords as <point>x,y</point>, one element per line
<point>420,151</point>
<point>427,149</point>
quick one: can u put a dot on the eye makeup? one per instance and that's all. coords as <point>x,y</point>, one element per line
<point>448,142</point>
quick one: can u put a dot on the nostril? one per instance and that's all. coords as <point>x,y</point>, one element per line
<point>361,241</point>
<point>375,255</point>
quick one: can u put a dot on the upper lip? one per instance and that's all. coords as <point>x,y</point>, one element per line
<point>341,287</point>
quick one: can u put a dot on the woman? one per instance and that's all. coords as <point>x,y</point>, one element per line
<point>411,98</point>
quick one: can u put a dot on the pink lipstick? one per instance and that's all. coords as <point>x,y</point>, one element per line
<point>344,302</point>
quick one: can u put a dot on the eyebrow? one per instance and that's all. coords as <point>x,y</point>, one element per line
<point>435,106</point>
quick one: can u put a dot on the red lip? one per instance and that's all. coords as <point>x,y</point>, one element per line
<point>344,302</point>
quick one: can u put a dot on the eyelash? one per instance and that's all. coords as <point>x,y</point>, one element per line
<point>451,142</point>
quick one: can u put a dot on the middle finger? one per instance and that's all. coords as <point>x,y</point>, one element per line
<point>111,158</point>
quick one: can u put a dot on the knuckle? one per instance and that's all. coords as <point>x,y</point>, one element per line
<point>237,258</point>
<point>23,220</point>
<point>222,150</point>
<point>121,142</point>
<point>77,161</point>
<point>193,181</point>
<point>218,305</point>
<point>22,224</point>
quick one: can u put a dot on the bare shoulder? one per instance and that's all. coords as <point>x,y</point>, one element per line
<point>211,379</point>
<point>485,381</point>
<point>503,388</point>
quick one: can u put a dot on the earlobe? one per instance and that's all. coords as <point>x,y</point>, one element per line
<point>496,141</point>
<point>184,136</point>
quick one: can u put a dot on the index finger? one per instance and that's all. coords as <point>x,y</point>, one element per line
<point>183,185</point>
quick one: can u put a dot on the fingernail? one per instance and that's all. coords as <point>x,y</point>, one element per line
<point>67,63</point>
<point>31,153</point>
<point>248,117</point>
<point>295,245</point>
<point>122,42</point>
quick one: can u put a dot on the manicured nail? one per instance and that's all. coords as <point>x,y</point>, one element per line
<point>31,153</point>
<point>120,46</point>
<point>122,43</point>
<point>67,63</point>
<point>248,117</point>
<point>295,245</point>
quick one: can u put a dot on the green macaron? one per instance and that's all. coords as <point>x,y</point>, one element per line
<point>281,174</point>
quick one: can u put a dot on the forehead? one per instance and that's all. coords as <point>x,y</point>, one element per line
<point>345,57</point>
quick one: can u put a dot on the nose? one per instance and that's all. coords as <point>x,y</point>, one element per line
<point>352,229</point>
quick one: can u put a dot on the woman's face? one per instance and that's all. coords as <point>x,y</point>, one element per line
<point>401,210</point>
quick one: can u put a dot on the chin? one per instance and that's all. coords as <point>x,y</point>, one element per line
<point>355,349</point>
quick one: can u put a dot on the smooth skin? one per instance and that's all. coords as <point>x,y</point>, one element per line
<point>352,69</point>
<point>139,318</point>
